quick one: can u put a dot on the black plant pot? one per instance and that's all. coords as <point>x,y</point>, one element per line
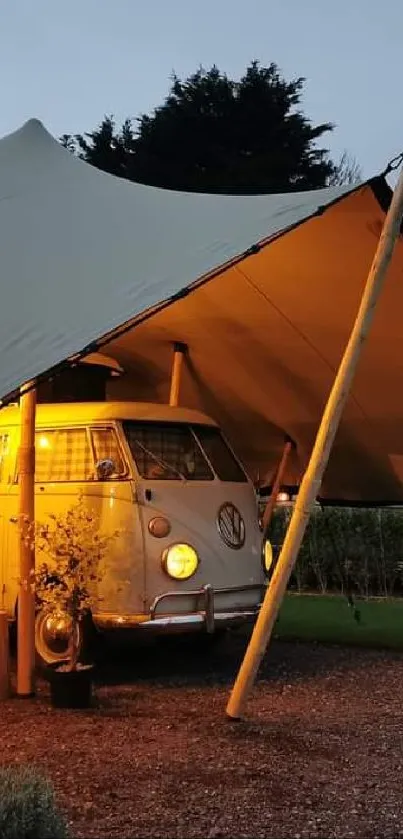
<point>70,688</point>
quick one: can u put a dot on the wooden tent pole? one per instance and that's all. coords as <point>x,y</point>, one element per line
<point>179,353</point>
<point>277,483</point>
<point>312,480</point>
<point>26,597</point>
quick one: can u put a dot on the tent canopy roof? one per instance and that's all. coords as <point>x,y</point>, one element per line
<point>263,290</point>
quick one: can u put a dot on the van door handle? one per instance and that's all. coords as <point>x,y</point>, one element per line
<point>148,494</point>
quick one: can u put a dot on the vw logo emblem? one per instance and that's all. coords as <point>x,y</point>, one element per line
<point>231,526</point>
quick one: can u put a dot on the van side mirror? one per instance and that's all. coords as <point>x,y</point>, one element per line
<point>105,469</point>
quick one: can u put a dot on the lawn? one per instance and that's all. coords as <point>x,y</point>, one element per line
<point>329,619</point>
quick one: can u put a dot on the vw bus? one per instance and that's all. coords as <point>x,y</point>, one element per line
<point>188,553</point>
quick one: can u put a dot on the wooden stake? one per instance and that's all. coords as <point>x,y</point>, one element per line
<point>278,480</point>
<point>26,597</point>
<point>312,480</point>
<point>4,663</point>
<point>179,353</point>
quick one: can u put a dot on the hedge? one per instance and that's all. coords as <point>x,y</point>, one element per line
<point>354,549</point>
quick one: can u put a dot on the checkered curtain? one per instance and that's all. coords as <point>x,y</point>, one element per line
<point>106,447</point>
<point>63,455</point>
<point>168,444</point>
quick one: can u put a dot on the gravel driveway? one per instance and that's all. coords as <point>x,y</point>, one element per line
<point>321,754</point>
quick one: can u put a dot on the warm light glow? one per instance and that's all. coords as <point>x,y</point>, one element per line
<point>180,561</point>
<point>267,556</point>
<point>283,496</point>
<point>44,442</point>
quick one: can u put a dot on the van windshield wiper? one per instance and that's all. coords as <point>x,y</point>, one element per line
<point>166,466</point>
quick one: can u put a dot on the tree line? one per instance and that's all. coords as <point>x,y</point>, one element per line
<point>220,135</point>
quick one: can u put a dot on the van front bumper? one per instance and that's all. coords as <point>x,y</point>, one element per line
<point>206,618</point>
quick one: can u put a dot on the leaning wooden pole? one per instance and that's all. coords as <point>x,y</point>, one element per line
<point>320,455</point>
<point>26,511</point>
<point>278,480</point>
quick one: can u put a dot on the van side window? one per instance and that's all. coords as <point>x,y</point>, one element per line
<point>63,455</point>
<point>4,438</point>
<point>106,447</point>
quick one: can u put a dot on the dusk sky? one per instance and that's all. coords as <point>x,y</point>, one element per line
<point>69,63</point>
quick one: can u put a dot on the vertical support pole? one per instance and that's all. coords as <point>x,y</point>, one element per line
<point>26,597</point>
<point>278,480</point>
<point>312,480</point>
<point>179,354</point>
<point>4,663</point>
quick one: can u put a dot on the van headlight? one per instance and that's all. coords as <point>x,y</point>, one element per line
<point>180,561</point>
<point>267,556</point>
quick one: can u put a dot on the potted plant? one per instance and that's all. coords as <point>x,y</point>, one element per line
<point>66,583</point>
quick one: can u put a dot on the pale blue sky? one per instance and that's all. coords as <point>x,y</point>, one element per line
<point>68,63</point>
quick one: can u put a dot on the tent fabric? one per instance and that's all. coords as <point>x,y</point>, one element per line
<point>85,252</point>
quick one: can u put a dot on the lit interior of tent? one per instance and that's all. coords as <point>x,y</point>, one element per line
<point>265,333</point>
<point>265,340</point>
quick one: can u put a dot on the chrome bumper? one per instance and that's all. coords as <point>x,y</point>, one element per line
<point>204,619</point>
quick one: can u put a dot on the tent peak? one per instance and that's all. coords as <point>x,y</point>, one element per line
<point>33,123</point>
<point>30,129</point>
<point>32,138</point>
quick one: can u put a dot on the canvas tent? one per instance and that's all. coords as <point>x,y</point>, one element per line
<point>263,290</point>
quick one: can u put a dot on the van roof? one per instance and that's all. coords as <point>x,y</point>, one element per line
<point>85,412</point>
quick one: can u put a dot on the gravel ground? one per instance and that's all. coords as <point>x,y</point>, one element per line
<point>320,755</point>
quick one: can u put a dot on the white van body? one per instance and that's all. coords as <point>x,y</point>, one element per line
<point>173,474</point>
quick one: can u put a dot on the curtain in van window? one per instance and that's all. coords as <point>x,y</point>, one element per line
<point>106,447</point>
<point>63,455</point>
<point>166,451</point>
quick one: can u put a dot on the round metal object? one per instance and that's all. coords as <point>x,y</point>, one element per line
<point>231,526</point>
<point>159,527</point>
<point>52,633</point>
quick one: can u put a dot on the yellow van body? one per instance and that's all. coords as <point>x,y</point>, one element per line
<point>168,482</point>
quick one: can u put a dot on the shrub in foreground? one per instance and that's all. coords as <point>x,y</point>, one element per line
<point>27,806</point>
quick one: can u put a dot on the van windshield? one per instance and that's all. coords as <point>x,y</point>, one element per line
<point>174,451</point>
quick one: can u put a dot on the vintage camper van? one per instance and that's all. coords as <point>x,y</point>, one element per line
<point>188,555</point>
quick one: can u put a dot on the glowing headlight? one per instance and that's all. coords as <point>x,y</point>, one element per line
<point>180,561</point>
<point>267,556</point>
